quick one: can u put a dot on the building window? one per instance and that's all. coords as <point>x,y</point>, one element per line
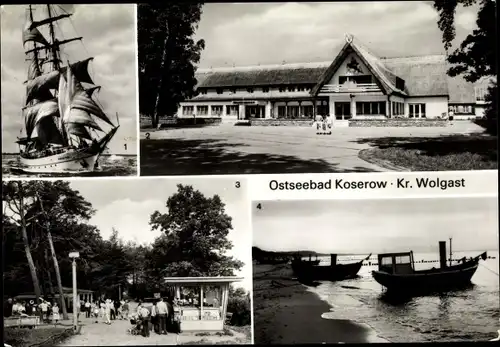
<point>301,88</point>
<point>232,110</point>
<point>265,90</point>
<point>187,110</point>
<point>291,88</point>
<point>307,111</point>
<point>282,89</point>
<point>416,110</point>
<point>250,90</point>
<point>233,90</point>
<point>362,79</point>
<point>203,91</point>
<point>216,110</point>
<point>281,111</point>
<point>370,108</point>
<point>398,108</point>
<point>462,109</point>
<point>201,110</point>
<point>481,93</point>
<point>220,90</point>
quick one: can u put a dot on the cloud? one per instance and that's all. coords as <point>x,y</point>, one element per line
<point>363,226</point>
<point>130,218</point>
<point>300,32</point>
<point>109,36</point>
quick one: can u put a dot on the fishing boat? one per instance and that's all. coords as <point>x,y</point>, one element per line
<point>66,129</point>
<point>396,272</point>
<point>307,271</point>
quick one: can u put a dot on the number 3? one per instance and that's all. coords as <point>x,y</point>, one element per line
<point>238,184</point>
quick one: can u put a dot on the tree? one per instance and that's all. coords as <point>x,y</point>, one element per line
<point>476,56</point>
<point>195,236</point>
<point>167,56</point>
<point>16,199</point>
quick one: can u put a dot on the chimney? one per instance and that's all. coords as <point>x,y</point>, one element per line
<point>333,259</point>
<point>442,254</point>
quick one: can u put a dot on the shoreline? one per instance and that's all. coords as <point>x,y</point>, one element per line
<point>285,312</point>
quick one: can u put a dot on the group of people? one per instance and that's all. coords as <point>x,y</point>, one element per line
<point>43,309</point>
<point>158,317</point>
<point>105,309</point>
<point>323,125</point>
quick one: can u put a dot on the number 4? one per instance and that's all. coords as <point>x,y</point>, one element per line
<point>259,206</point>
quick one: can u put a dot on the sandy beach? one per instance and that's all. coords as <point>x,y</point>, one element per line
<point>285,312</point>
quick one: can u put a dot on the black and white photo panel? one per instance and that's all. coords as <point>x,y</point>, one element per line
<point>69,90</point>
<point>370,271</point>
<point>328,87</point>
<point>127,262</point>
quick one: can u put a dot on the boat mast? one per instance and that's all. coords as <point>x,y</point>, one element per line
<point>450,252</point>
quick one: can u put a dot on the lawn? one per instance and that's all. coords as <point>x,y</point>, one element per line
<point>446,153</point>
<point>40,337</point>
<point>224,338</point>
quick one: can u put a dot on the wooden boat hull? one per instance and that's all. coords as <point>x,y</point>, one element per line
<point>430,281</point>
<point>338,272</point>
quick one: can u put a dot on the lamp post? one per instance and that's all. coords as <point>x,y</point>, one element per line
<point>74,255</point>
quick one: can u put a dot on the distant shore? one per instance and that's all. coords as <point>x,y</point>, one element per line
<point>285,312</point>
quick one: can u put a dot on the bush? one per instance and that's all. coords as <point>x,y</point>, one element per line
<point>240,308</point>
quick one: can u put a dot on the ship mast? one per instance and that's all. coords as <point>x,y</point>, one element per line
<point>35,52</point>
<point>55,46</point>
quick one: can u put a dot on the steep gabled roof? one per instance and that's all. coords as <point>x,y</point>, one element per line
<point>386,79</point>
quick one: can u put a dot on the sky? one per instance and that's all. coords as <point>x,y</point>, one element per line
<point>376,226</point>
<point>127,204</point>
<point>109,35</point>
<point>269,33</point>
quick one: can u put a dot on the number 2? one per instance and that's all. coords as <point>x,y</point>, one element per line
<point>147,136</point>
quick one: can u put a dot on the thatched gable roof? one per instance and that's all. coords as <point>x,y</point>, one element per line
<point>386,79</point>
<point>422,75</point>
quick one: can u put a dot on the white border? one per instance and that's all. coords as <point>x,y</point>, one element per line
<point>137,114</point>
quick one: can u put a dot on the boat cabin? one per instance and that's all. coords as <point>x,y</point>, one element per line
<point>201,302</point>
<point>396,263</point>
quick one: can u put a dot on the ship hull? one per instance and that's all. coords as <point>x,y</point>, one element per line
<point>427,282</point>
<point>338,272</point>
<point>73,161</point>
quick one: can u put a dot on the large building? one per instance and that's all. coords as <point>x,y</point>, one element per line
<point>356,85</point>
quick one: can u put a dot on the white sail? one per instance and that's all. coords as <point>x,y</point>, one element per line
<point>34,114</point>
<point>51,80</point>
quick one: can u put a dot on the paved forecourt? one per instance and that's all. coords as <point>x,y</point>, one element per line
<point>259,149</point>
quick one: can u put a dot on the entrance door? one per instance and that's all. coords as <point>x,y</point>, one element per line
<point>342,110</point>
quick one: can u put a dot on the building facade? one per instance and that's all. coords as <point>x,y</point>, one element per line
<point>356,85</point>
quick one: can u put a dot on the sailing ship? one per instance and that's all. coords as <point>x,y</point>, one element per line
<point>396,272</point>
<point>64,123</point>
<point>308,271</point>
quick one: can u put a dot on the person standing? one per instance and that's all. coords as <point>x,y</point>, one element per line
<point>44,307</point>
<point>55,314</point>
<point>125,309</point>
<point>145,318</point>
<point>108,307</point>
<point>162,309</point>
<point>87,309</point>
<point>116,306</point>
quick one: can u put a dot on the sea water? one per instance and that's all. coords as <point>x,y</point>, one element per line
<point>471,314</point>
<point>109,165</point>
